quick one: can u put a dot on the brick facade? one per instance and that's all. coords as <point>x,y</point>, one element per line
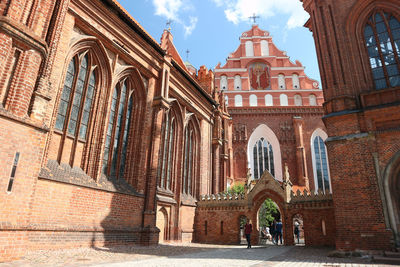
<point>62,190</point>
<point>63,178</point>
<point>362,122</point>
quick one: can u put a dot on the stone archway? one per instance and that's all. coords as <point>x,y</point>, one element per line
<point>268,187</point>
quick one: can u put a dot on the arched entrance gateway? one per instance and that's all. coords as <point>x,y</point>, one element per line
<point>217,210</point>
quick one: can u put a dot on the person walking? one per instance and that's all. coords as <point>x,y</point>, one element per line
<point>248,228</point>
<point>273,231</point>
<point>278,234</point>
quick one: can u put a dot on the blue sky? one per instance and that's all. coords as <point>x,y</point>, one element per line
<point>210,29</point>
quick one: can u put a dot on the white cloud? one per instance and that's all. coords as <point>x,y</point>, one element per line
<point>167,8</point>
<point>173,9</point>
<point>189,28</point>
<point>240,10</point>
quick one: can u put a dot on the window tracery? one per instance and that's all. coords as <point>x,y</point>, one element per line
<point>382,40</point>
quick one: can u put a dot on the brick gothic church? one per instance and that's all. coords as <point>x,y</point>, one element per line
<point>108,137</point>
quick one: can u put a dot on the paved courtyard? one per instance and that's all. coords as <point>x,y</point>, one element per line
<point>190,255</point>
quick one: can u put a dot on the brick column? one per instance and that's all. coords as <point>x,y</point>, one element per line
<point>149,235</point>
<point>300,153</point>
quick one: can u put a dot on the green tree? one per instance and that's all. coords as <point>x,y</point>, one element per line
<point>268,213</point>
<point>236,189</point>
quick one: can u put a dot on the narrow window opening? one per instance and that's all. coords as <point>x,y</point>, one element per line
<point>13,171</point>
<point>205,227</point>
<point>323,226</point>
<point>222,227</point>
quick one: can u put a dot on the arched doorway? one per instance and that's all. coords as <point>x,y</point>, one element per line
<point>242,222</point>
<point>298,230</point>
<point>267,216</point>
<point>162,224</point>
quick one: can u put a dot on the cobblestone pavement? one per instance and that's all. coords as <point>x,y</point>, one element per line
<point>180,254</point>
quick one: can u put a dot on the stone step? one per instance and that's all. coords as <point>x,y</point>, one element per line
<point>392,254</point>
<point>386,260</point>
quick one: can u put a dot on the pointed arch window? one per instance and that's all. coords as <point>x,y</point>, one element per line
<point>263,156</point>
<point>75,108</point>
<point>117,131</point>
<point>189,160</point>
<point>382,40</point>
<point>321,164</point>
<point>167,151</point>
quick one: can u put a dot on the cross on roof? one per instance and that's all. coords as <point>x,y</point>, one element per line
<point>187,54</point>
<point>168,24</point>
<point>254,17</point>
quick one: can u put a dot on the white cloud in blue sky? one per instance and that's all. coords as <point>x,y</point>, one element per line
<point>240,10</point>
<point>174,10</point>
<point>189,28</point>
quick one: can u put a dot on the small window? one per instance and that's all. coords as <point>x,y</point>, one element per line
<point>223,82</point>
<point>313,100</point>
<point>13,171</point>
<point>281,81</point>
<point>253,100</point>
<point>268,100</point>
<point>283,99</point>
<point>249,49</point>
<point>296,82</point>
<point>238,101</point>
<point>226,100</point>
<point>238,82</point>
<point>298,101</point>
<point>264,48</point>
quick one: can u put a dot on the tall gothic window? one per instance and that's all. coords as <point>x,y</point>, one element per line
<point>117,131</point>
<point>263,158</point>
<point>167,151</point>
<point>75,108</point>
<point>321,164</point>
<point>77,97</point>
<point>382,39</point>
<point>189,160</point>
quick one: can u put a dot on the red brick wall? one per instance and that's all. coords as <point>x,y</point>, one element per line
<point>312,214</point>
<point>362,122</point>
<point>253,118</point>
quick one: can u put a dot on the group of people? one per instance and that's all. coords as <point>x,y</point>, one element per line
<point>272,233</point>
